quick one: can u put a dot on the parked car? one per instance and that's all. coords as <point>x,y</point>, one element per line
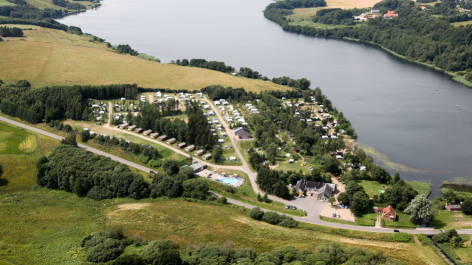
<point>152,172</point>
<point>396,230</point>
<point>310,168</point>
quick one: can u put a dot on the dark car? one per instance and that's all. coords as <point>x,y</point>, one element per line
<point>152,172</point>
<point>396,230</point>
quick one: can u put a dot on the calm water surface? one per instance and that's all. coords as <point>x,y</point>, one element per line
<point>393,104</point>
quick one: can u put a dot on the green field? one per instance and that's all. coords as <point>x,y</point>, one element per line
<point>372,187</point>
<point>5,3</point>
<point>16,141</point>
<point>450,220</point>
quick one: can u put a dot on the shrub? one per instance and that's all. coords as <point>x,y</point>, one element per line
<point>212,198</point>
<point>161,252</point>
<point>271,218</point>
<point>445,237</point>
<point>222,200</point>
<point>256,213</point>
<point>129,259</point>
<point>155,163</point>
<point>110,249</point>
<point>466,206</point>
<point>144,159</point>
<point>402,237</point>
<point>423,239</point>
<point>287,221</point>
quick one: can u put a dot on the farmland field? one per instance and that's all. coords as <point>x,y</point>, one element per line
<point>16,141</point>
<point>59,58</point>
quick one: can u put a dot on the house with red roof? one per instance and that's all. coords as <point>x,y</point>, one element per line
<point>389,214</point>
<point>390,15</point>
<point>423,8</point>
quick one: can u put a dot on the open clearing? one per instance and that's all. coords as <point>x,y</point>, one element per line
<point>5,3</point>
<point>16,141</point>
<point>53,57</point>
<point>189,223</point>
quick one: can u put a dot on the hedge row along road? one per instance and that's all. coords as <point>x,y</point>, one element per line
<point>313,211</point>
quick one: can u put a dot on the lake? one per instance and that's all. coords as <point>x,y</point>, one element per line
<point>401,120</point>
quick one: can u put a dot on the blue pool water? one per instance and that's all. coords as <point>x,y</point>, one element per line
<point>229,181</point>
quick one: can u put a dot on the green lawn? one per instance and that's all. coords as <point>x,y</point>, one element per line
<point>5,3</point>
<point>403,221</point>
<point>14,140</point>
<point>465,253</point>
<point>367,219</point>
<point>372,187</point>
<point>450,220</point>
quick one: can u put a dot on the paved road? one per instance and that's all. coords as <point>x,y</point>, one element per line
<point>312,218</point>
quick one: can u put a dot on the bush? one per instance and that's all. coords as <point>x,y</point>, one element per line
<point>222,200</point>
<point>271,218</point>
<point>110,249</point>
<point>466,206</point>
<point>256,213</point>
<point>423,239</point>
<point>287,221</point>
<point>155,163</point>
<point>445,237</point>
<point>144,159</point>
<point>212,198</point>
<point>161,252</point>
<point>129,259</point>
<point>402,237</point>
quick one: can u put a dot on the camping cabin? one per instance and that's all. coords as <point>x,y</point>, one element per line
<point>454,207</point>
<point>190,148</point>
<point>147,132</point>
<point>206,156</point>
<point>199,152</point>
<point>181,145</point>
<point>162,137</point>
<point>124,126</point>
<point>132,127</point>
<point>154,135</point>
<point>171,141</point>
<point>138,130</point>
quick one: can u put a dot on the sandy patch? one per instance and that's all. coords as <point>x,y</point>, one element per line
<point>128,207</point>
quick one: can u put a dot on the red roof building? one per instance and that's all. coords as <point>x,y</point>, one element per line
<point>390,15</point>
<point>423,8</point>
<point>389,214</point>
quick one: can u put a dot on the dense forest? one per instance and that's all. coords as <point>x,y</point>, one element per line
<point>54,103</point>
<point>76,170</point>
<point>416,34</point>
<point>109,245</point>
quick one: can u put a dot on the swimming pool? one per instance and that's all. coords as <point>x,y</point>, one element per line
<point>229,181</point>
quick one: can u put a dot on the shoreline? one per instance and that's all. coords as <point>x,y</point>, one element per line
<point>454,75</point>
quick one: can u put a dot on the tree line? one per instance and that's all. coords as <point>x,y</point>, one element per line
<point>11,32</point>
<point>54,103</point>
<point>23,10</point>
<point>418,35</point>
<point>109,245</point>
<point>202,63</point>
<point>68,5</point>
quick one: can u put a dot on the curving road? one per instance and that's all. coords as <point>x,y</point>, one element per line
<point>311,218</point>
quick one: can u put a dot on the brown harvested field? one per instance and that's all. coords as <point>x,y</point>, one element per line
<point>53,57</point>
<point>351,3</point>
<point>463,23</point>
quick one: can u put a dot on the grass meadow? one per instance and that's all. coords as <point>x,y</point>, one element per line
<point>16,140</point>
<point>58,58</point>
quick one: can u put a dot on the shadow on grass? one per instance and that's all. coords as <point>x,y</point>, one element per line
<point>437,224</point>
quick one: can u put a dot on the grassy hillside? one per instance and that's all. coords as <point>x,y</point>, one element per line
<point>53,57</point>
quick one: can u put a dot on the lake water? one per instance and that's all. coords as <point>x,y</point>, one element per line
<point>393,104</point>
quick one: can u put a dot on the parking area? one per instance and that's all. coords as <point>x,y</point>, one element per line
<point>342,214</point>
